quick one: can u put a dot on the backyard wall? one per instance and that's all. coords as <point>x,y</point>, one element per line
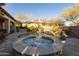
<point>73,31</point>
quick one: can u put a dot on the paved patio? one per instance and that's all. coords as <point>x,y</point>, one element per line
<point>6,46</point>
<point>71,47</point>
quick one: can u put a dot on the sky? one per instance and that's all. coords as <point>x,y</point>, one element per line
<point>37,10</point>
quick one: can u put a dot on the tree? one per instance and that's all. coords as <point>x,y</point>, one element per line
<point>71,14</point>
<point>56,22</point>
<point>73,24</point>
<point>57,25</point>
<point>23,18</point>
<point>19,23</point>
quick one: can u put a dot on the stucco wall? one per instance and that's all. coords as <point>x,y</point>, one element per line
<point>73,31</point>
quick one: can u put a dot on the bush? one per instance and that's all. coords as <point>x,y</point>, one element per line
<point>32,28</point>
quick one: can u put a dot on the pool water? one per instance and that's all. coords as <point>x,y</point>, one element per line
<point>34,42</point>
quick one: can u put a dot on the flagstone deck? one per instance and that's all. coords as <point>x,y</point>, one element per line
<point>6,46</point>
<point>71,47</point>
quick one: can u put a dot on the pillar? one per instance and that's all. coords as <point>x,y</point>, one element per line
<point>7,26</point>
<point>14,27</point>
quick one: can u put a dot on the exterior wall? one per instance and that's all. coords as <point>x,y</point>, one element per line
<point>12,27</point>
<point>8,26</point>
<point>1,23</point>
<point>1,26</point>
<point>72,31</point>
<point>9,22</point>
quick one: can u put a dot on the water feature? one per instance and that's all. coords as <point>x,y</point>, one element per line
<point>39,44</point>
<point>39,31</point>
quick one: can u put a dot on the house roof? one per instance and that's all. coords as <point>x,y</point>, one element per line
<point>4,11</point>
